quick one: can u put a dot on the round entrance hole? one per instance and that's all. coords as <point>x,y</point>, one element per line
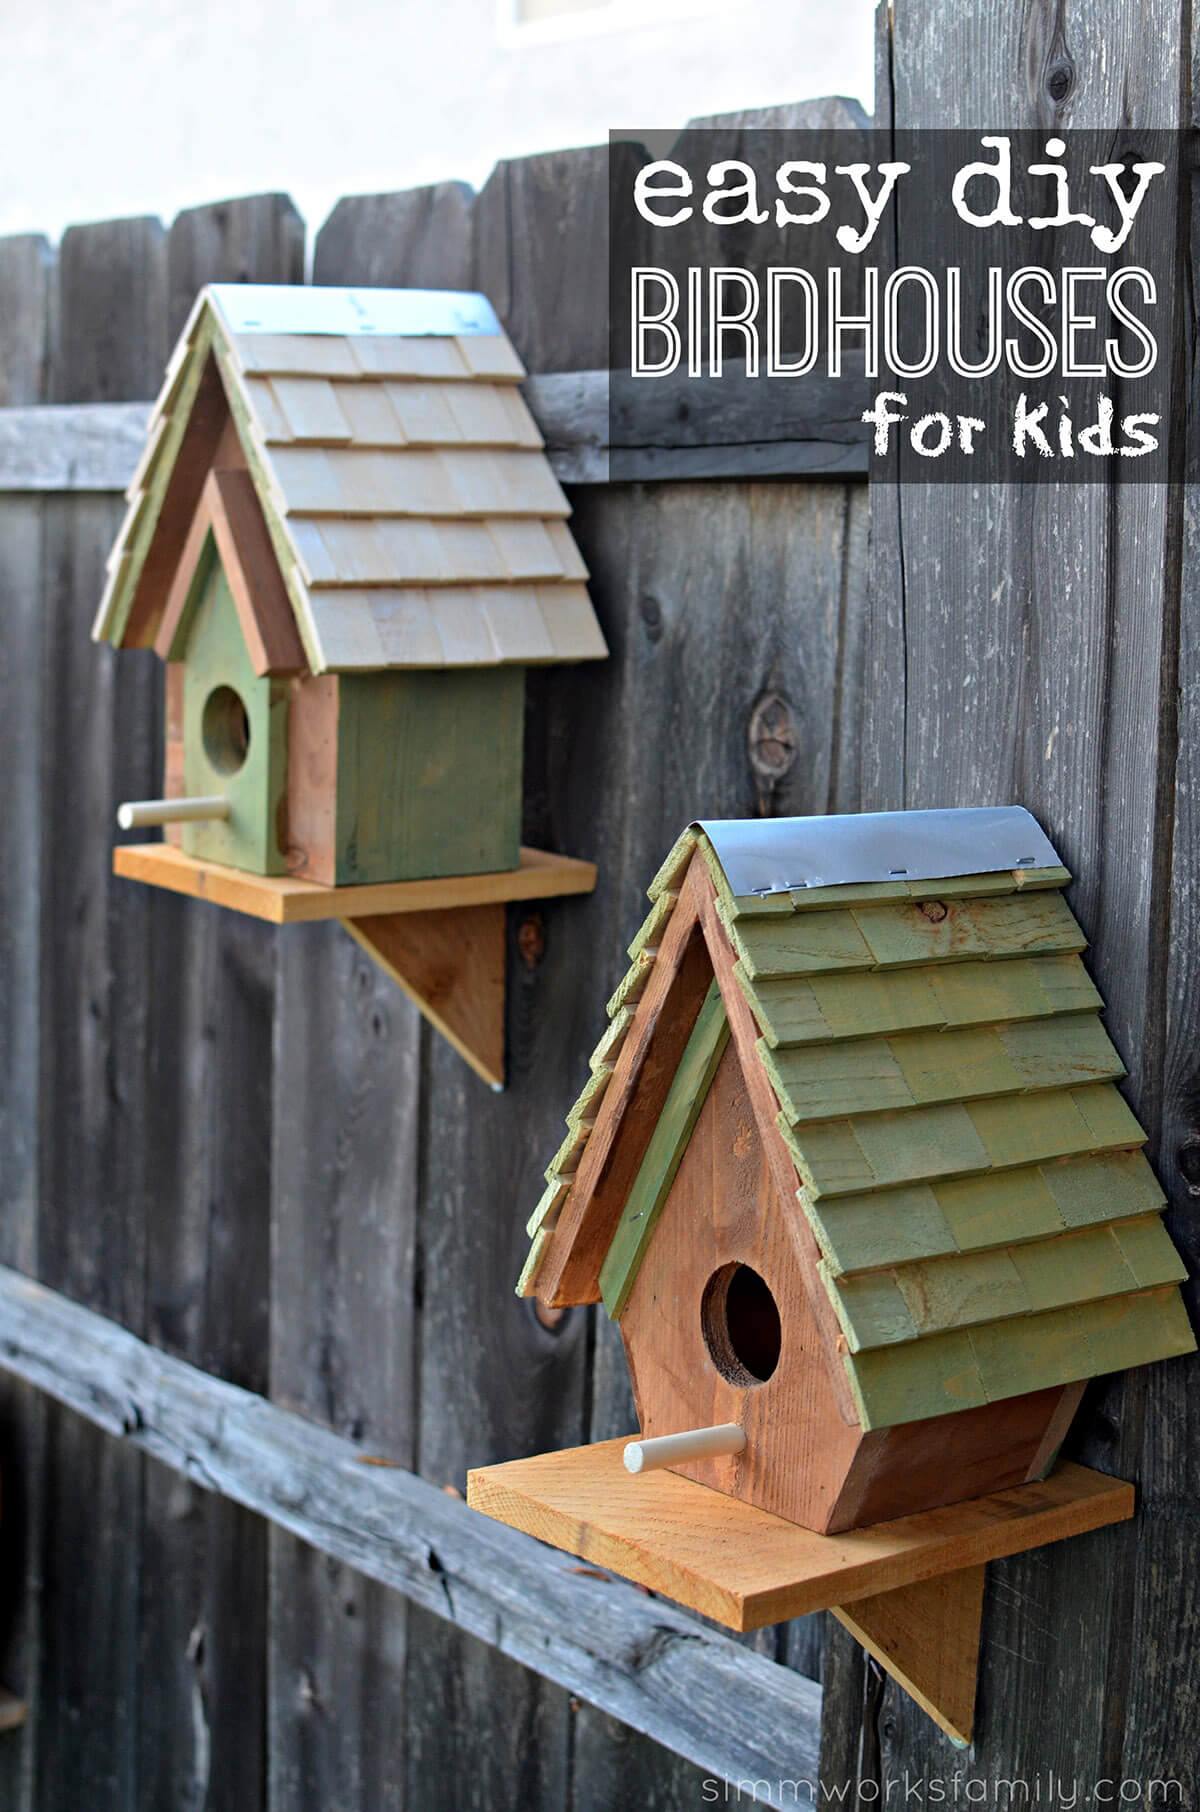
<point>225,730</point>
<point>740,1320</point>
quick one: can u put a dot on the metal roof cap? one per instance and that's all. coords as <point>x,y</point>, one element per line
<point>297,308</point>
<point>779,855</point>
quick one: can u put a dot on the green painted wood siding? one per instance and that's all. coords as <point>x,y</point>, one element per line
<point>429,773</point>
<point>664,1154</point>
<point>216,657</point>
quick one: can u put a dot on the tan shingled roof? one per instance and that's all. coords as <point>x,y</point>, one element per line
<point>416,518</point>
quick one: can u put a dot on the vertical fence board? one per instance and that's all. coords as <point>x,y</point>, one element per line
<point>99,980</point>
<point>1020,642</point>
<point>25,271</point>
<point>541,255</point>
<point>1163,1701</point>
<point>494,1381</point>
<point>110,316</point>
<point>346,1293</point>
<point>342,1287</point>
<point>26,278</point>
<point>251,239</point>
<point>418,238</point>
<point>96,1155</point>
<point>204,1565</point>
<point>713,601</point>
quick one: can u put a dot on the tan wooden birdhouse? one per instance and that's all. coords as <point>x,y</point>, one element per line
<point>347,544</point>
<point>852,1173</point>
<point>851,1169</point>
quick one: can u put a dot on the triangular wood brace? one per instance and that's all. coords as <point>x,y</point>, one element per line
<point>927,1637</point>
<point>451,963</point>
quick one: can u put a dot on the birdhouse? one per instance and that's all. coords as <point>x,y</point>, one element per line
<point>346,543</point>
<point>852,1173</point>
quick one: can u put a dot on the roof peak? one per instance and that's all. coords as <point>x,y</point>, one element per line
<point>783,855</point>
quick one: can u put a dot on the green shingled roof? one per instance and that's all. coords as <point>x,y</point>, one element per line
<point>986,1221</point>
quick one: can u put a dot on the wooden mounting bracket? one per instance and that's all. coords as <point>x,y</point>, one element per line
<point>451,963</point>
<point>926,1636</point>
<point>440,940</point>
<point>911,1591</point>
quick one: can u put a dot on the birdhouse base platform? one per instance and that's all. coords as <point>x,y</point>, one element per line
<point>911,1591</point>
<point>442,940</point>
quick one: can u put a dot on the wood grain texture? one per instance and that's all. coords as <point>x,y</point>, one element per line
<point>744,1567</point>
<point>343,1260</point>
<point>665,1016</point>
<point>684,592</point>
<point>70,446</point>
<point>250,239</point>
<point>96,446</point>
<point>203,1733</point>
<point>664,1154</point>
<point>724,1209</point>
<point>264,610</point>
<point>110,320</point>
<point>23,1414</point>
<point>660,1670</point>
<point>927,1637</point>
<point>26,285</point>
<point>100,969</point>
<point>451,965</point>
<point>429,774</point>
<point>762,584</point>
<point>1010,690</point>
<point>541,248</point>
<point>418,238</point>
<point>283,901</point>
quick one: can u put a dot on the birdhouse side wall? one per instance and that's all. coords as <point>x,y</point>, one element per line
<point>427,775</point>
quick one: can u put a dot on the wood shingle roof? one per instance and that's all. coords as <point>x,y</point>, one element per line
<point>986,1222</point>
<point>415,517</point>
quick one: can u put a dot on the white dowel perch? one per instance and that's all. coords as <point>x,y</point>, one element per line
<point>136,814</point>
<point>693,1444</point>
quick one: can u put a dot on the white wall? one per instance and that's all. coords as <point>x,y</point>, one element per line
<point>137,106</point>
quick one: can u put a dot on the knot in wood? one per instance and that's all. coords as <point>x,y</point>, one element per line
<point>650,611</point>
<point>772,738</point>
<point>531,940</point>
<point>1188,1159</point>
<point>933,910</point>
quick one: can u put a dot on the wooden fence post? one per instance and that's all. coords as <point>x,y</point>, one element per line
<point>1022,646</point>
<point>204,1562</point>
<point>26,276</point>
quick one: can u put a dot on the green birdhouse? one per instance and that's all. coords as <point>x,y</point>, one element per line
<point>346,542</point>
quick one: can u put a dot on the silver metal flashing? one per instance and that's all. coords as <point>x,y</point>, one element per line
<point>314,309</point>
<point>777,855</point>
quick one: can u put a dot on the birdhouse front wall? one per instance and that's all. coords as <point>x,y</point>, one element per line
<point>340,778</point>
<point>718,1328</point>
<point>234,737</point>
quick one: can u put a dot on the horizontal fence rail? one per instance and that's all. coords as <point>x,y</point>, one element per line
<point>623,1650</point>
<point>95,446</point>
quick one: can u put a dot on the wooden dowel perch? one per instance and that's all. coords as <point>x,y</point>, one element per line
<point>137,814</point>
<point>692,1444</point>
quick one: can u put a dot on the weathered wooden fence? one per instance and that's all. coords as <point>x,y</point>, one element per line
<point>242,1146</point>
